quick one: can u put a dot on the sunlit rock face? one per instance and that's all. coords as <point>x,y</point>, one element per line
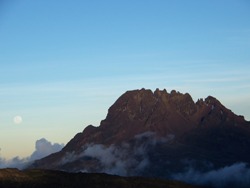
<point>158,134</point>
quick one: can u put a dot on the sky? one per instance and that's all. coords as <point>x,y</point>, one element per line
<point>64,63</point>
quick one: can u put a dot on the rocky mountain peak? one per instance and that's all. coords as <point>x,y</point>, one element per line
<point>163,113</point>
<point>140,104</point>
<point>165,126</point>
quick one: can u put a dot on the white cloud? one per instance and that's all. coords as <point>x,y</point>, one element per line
<point>43,148</point>
<point>236,175</point>
<point>124,160</point>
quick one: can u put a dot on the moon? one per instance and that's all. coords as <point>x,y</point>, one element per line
<point>17,119</point>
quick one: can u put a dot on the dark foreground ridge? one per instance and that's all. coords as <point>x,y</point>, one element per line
<point>13,178</point>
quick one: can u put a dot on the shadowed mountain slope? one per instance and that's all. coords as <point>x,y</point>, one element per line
<point>157,134</point>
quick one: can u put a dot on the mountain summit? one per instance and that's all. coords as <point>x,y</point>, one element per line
<point>157,134</point>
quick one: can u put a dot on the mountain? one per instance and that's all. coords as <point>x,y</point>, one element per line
<point>159,134</point>
<point>13,178</point>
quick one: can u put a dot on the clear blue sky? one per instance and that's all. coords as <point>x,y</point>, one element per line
<point>64,63</point>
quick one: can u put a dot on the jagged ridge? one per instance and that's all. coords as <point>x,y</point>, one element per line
<point>161,112</point>
<point>170,127</point>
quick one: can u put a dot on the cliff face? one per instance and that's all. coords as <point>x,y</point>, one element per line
<point>153,134</point>
<point>160,112</point>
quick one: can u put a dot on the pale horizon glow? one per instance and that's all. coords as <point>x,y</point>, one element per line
<point>63,64</point>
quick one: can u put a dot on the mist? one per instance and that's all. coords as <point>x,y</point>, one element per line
<point>133,159</point>
<point>235,175</point>
<point>127,159</point>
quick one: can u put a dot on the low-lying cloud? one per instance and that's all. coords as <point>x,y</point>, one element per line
<point>127,159</point>
<point>236,175</point>
<point>43,148</point>
<point>132,159</point>
<point>118,160</point>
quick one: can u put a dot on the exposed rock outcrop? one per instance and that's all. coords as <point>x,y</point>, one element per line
<point>153,134</point>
